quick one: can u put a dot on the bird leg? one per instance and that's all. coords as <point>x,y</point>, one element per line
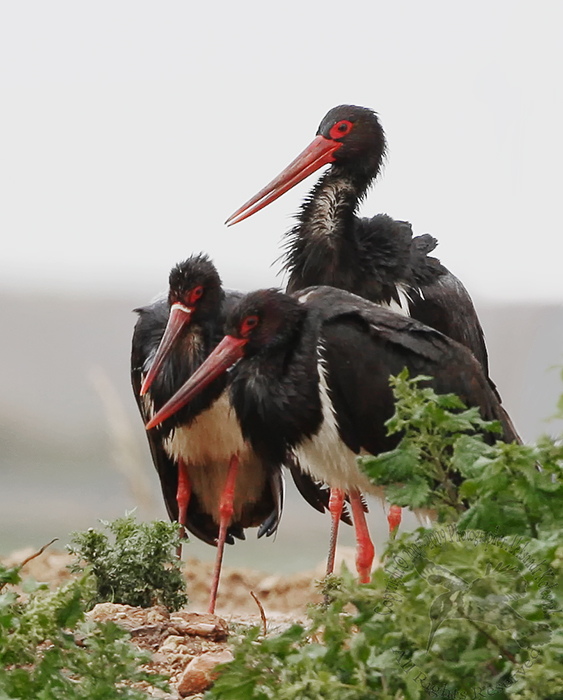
<point>335,505</point>
<point>365,551</point>
<point>182,498</point>
<point>226,510</point>
<point>394,519</point>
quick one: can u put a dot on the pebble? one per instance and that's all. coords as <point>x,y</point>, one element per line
<point>200,673</point>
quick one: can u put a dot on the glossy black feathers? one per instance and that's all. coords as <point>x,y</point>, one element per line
<point>377,258</point>
<point>189,351</point>
<point>276,392</point>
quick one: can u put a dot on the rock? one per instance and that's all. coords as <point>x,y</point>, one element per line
<point>200,625</point>
<point>128,616</point>
<point>200,672</point>
<point>146,630</point>
<point>173,644</point>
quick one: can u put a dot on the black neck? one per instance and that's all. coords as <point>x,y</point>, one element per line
<point>262,388</point>
<point>324,234</point>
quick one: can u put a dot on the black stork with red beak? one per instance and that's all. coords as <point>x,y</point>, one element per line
<point>377,258</point>
<point>212,481</point>
<point>312,375</point>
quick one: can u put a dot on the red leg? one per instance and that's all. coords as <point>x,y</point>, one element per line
<point>335,505</point>
<point>394,519</point>
<point>182,498</point>
<point>365,551</point>
<point>226,511</point>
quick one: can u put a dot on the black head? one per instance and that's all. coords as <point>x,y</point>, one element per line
<point>350,138</point>
<point>267,319</point>
<point>360,133</point>
<point>194,320</point>
<point>196,284</point>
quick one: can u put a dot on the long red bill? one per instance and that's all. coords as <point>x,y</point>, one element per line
<point>179,316</point>
<point>318,153</point>
<point>229,350</point>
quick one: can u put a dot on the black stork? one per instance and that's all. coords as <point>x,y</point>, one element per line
<point>312,375</point>
<point>212,480</point>
<point>377,258</point>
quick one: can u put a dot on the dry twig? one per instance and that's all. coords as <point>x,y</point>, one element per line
<point>262,613</point>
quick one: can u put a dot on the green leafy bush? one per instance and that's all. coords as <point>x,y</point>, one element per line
<point>49,652</point>
<point>138,568</point>
<point>446,465</point>
<point>467,609</point>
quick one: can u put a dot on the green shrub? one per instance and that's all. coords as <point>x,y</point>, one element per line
<point>138,568</point>
<point>444,464</point>
<point>49,652</point>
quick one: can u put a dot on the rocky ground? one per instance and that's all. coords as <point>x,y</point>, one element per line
<point>188,644</point>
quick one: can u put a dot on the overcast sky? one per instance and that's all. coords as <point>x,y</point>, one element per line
<point>129,131</point>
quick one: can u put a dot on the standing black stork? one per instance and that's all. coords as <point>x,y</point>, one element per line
<point>212,480</point>
<point>376,258</point>
<point>313,377</point>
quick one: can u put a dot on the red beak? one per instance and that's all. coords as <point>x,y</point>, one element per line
<point>318,153</point>
<point>179,317</point>
<point>229,350</point>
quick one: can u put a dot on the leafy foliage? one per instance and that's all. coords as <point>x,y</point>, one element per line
<point>138,568</point>
<point>444,463</point>
<point>49,652</point>
<point>470,608</point>
<point>379,650</point>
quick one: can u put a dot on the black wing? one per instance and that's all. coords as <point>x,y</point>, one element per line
<point>368,344</point>
<point>440,300</point>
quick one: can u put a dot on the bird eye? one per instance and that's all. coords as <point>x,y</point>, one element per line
<point>195,294</point>
<point>340,129</point>
<point>248,324</point>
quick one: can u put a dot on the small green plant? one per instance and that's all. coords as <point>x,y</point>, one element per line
<point>49,652</point>
<point>469,608</point>
<point>444,463</point>
<point>138,568</point>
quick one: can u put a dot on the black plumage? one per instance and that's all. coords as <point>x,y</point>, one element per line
<point>376,258</point>
<point>275,389</point>
<point>313,377</point>
<point>257,506</point>
<point>200,449</point>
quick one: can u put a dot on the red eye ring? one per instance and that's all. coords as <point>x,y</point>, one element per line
<point>248,324</point>
<point>195,294</point>
<point>340,129</point>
